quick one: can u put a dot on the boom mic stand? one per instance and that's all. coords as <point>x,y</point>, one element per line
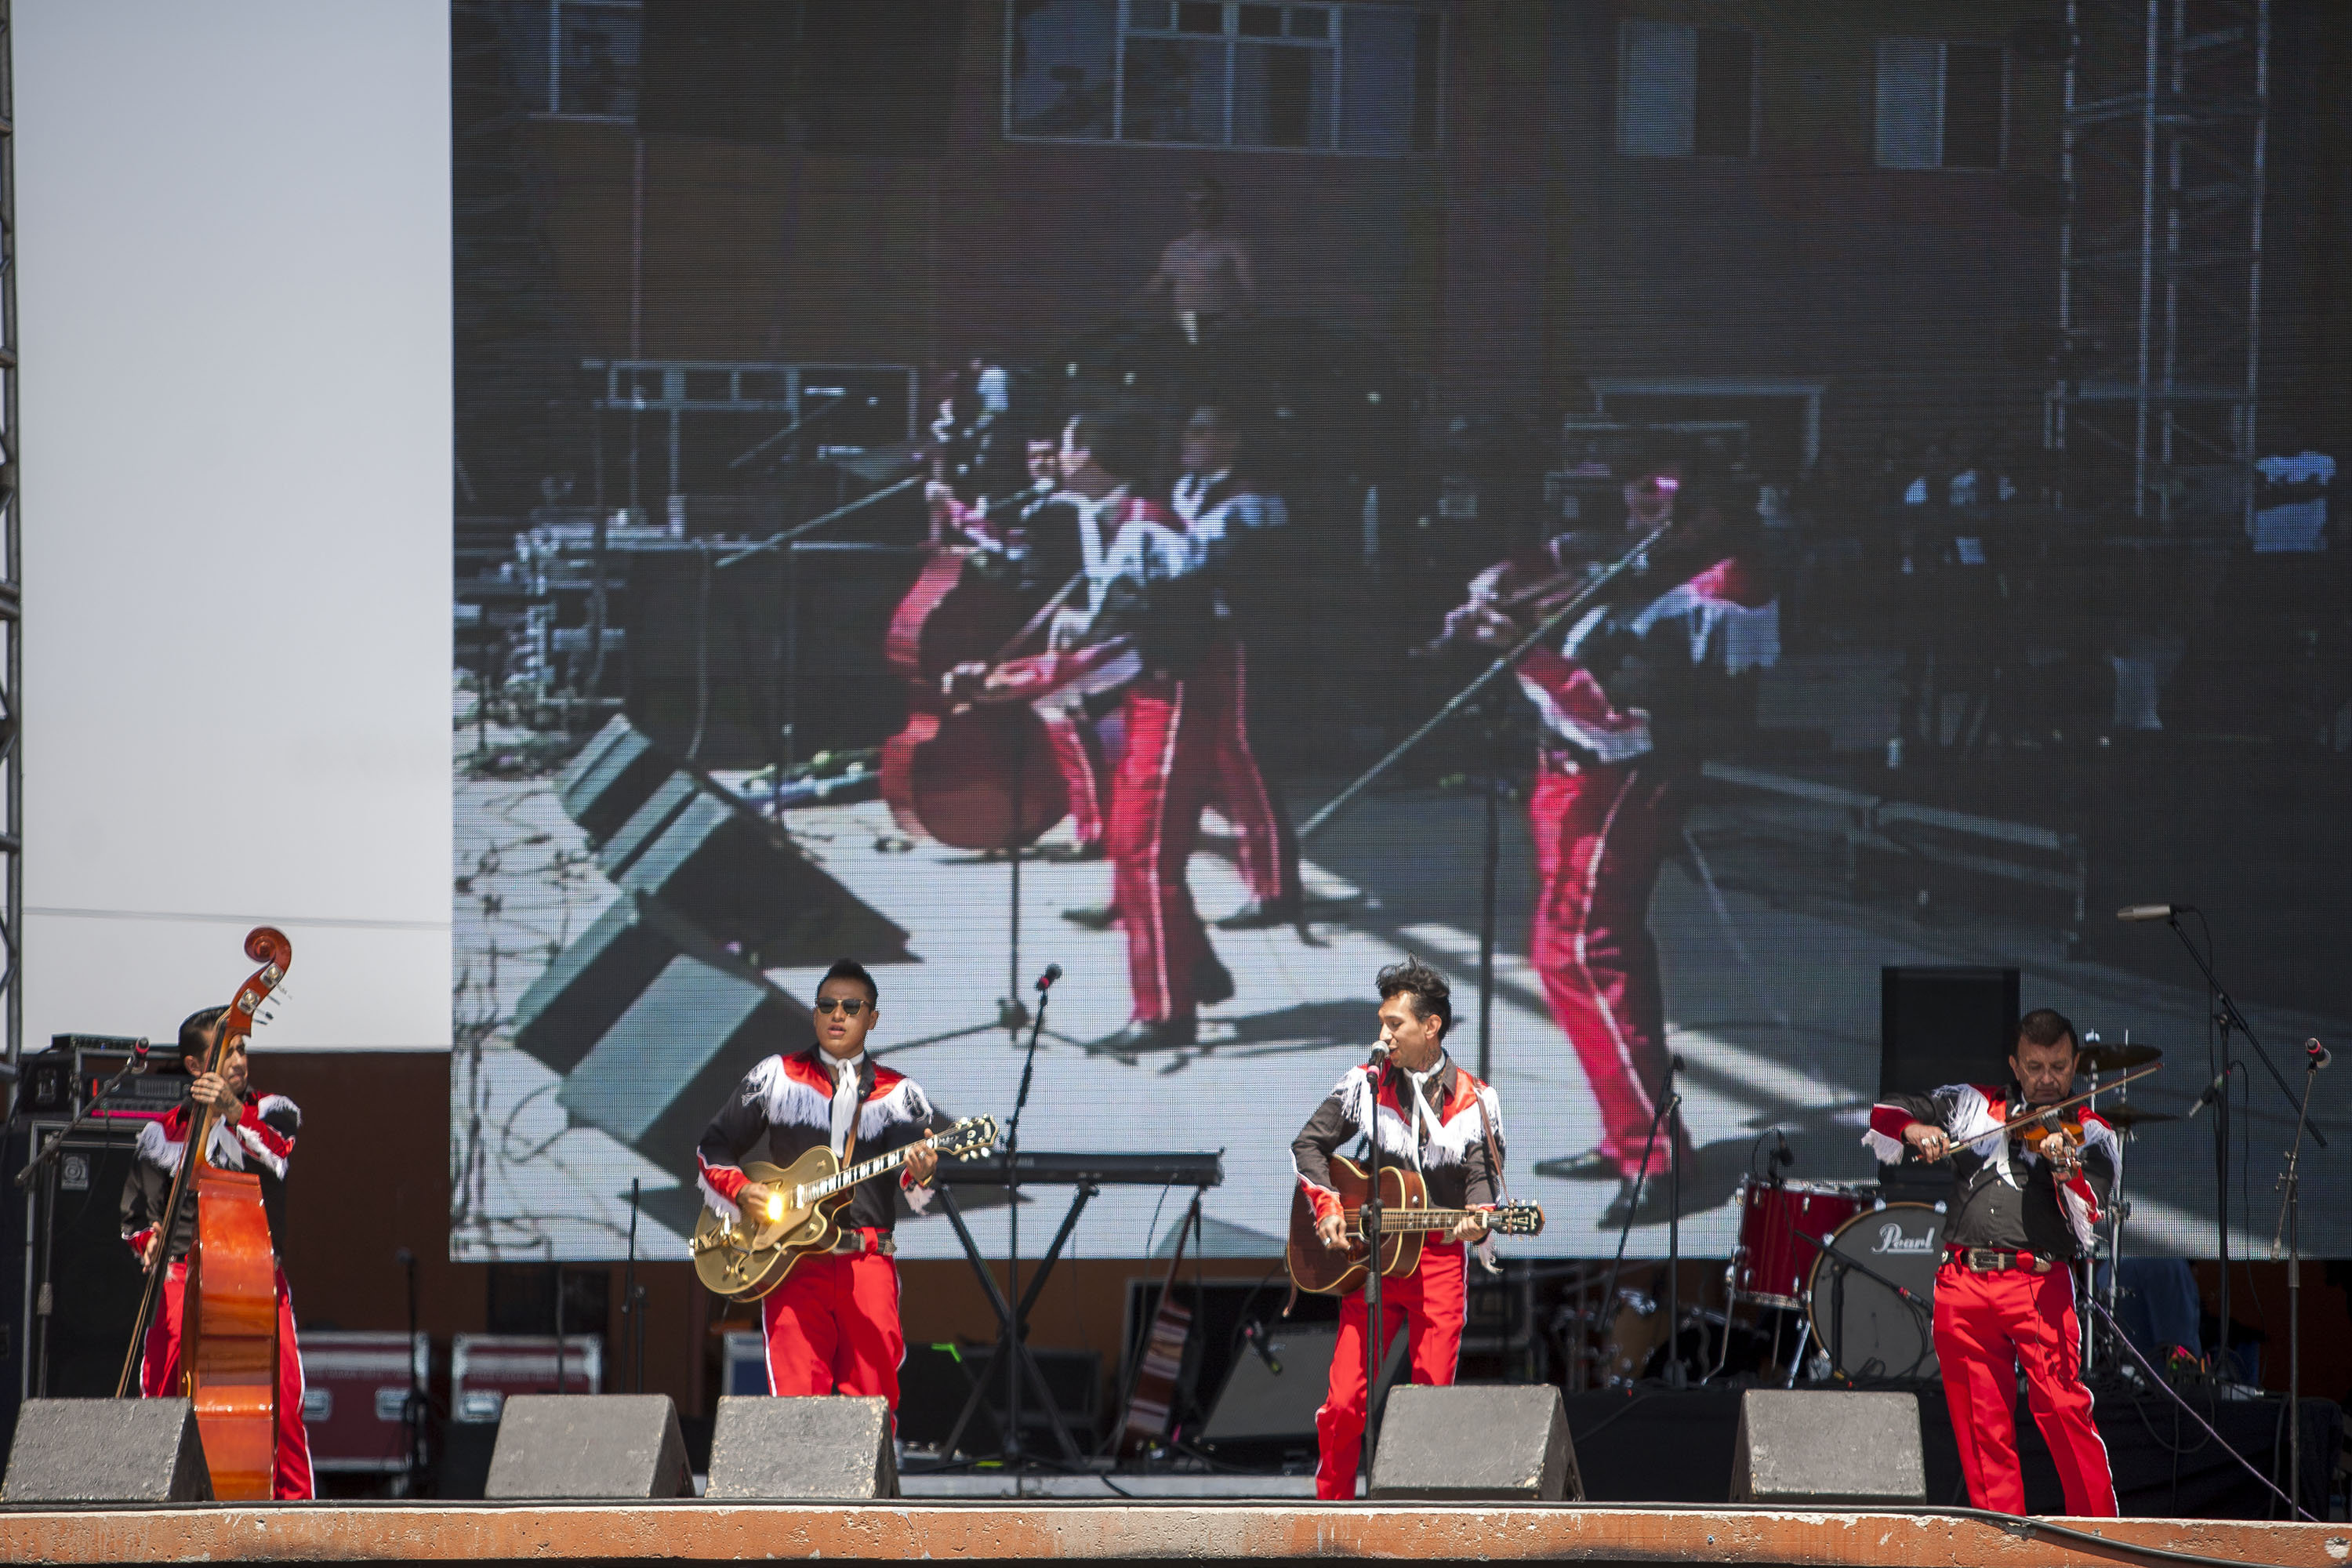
<point>56,1145</point>
<point>1668,1099</point>
<point>2229,1017</point>
<point>2290,1231</point>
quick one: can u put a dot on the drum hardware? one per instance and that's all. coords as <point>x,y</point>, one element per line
<point>2098,1058</point>
<point>2125,1117</point>
<point>1907,1238</point>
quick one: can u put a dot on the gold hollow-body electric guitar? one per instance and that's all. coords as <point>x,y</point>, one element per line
<point>1406,1221</point>
<point>744,1256</point>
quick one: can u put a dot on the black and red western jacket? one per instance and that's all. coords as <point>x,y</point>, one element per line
<point>261,1140</point>
<point>2007,1197</point>
<point>787,1102</point>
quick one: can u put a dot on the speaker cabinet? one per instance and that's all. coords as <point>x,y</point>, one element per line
<point>830,1449</point>
<point>1796,1447</point>
<point>1487,1444</point>
<point>107,1451</point>
<point>1945,1024</point>
<point>602,786</point>
<point>605,1447</point>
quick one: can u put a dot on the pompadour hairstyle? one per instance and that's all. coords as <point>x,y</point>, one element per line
<point>1428,989</point>
<point>850,969</point>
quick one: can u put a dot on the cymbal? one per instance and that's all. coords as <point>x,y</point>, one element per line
<point>2128,1116</point>
<point>2118,1059</point>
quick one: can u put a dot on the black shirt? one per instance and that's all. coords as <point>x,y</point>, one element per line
<point>2005,1195</point>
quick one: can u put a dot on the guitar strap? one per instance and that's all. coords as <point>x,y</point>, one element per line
<point>1502,1182</point>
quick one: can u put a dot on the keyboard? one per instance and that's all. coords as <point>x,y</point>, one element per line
<point>1195,1169</point>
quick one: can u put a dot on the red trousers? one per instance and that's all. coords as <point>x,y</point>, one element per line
<point>832,1327</point>
<point>1987,1325</point>
<point>1086,772</point>
<point>1600,836</point>
<point>1165,776</point>
<point>1269,846</point>
<point>159,1370</point>
<point>1429,1301</point>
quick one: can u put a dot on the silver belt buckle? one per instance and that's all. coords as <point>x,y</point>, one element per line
<point>1985,1260</point>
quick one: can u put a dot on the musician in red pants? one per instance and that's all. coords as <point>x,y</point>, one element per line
<point>1655,678</point>
<point>249,1134</point>
<point>2026,1209</point>
<point>832,1327</point>
<point>1150,620</point>
<point>1241,530</point>
<point>1441,1122</point>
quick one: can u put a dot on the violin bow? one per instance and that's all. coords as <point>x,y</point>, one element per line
<point>1505,662</point>
<point>2014,1123</point>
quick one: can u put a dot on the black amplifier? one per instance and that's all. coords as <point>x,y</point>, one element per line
<point>68,1077</point>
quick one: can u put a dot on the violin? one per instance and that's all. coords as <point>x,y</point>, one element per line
<point>228,1337</point>
<point>2038,1126</point>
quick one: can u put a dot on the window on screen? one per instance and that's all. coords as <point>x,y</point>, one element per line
<point>1685,92</point>
<point>1939,105</point>
<point>1210,73</point>
<point>582,58</point>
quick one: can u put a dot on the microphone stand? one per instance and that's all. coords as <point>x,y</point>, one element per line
<point>2229,1017</point>
<point>1019,1347</point>
<point>1633,1199</point>
<point>2290,1230</point>
<point>1375,1316</point>
<point>50,1151</point>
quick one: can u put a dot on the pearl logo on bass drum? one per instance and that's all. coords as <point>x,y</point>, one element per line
<point>1892,1240</point>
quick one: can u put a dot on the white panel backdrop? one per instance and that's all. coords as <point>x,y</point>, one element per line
<point>233,301</point>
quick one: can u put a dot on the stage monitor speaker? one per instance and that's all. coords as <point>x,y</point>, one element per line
<point>604,786</point>
<point>722,866</point>
<point>830,1449</point>
<point>1799,1446</point>
<point>1945,1024</point>
<point>601,1446</point>
<point>107,1451</point>
<point>1483,1444</point>
<point>608,966</point>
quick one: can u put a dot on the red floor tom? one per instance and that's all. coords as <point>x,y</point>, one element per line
<point>1771,1264</point>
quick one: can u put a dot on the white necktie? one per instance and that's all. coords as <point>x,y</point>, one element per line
<point>845,1101</point>
<point>1421,1116</point>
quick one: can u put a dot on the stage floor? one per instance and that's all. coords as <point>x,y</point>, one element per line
<point>1129,1532</point>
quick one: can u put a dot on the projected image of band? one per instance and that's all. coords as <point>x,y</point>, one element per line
<point>1162,569</point>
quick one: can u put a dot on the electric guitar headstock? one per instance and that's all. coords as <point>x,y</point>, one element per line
<point>967,1139</point>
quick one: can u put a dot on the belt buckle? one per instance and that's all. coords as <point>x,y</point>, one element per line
<point>1986,1260</point>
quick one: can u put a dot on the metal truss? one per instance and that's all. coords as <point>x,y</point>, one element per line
<point>2164,146</point>
<point>11,772</point>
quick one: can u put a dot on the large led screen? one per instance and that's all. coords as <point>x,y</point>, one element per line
<point>1237,384</point>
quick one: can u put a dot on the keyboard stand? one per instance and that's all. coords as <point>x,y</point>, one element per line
<point>1013,1331</point>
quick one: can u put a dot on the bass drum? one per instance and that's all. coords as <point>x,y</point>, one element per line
<point>1867,1329</point>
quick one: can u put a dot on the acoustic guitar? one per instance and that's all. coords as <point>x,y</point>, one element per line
<point>745,1256</point>
<point>1406,1220</point>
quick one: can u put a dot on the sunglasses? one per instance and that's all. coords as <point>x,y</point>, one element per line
<point>850,1007</point>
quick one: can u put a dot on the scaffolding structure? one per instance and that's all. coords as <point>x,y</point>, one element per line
<point>2164,144</point>
<point>12,771</point>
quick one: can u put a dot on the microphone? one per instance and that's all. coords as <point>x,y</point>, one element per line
<point>1380,1050</point>
<point>1045,980</point>
<point>2213,1092</point>
<point>2138,912</point>
<point>1254,1334</point>
<point>2320,1055</point>
<point>139,1054</point>
<point>1783,1156</point>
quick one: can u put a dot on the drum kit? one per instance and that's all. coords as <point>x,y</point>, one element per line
<point>1856,1265</point>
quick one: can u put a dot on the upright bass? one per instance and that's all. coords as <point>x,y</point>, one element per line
<point>228,1338</point>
